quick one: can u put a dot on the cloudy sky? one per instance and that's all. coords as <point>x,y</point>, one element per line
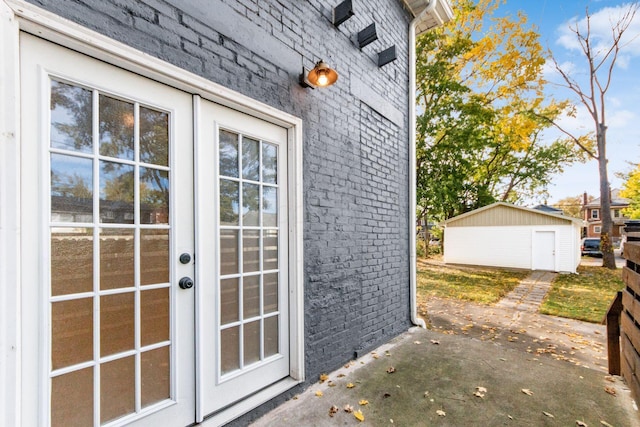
<point>553,18</point>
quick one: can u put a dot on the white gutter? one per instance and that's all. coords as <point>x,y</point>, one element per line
<point>413,259</point>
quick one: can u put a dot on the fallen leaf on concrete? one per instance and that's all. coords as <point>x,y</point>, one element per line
<point>610,378</point>
<point>481,389</point>
<point>581,423</point>
<point>441,413</point>
<point>348,408</point>
<point>333,410</point>
<point>359,416</point>
<point>417,342</point>
<point>426,394</point>
<point>323,378</point>
<point>435,342</point>
<point>319,393</point>
<point>527,391</point>
<point>610,390</point>
<point>547,414</point>
<point>363,402</point>
<point>386,395</point>
<point>391,370</point>
<point>605,424</point>
<point>351,385</point>
<point>331,384</point>
<point>341,375</point>
<point>478,394</point>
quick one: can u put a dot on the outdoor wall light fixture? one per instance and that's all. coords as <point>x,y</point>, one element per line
<point>342,12</point>
<point>320,76</point>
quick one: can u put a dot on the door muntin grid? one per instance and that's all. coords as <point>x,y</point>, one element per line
<point>109,234</point>
<point>249,315</point>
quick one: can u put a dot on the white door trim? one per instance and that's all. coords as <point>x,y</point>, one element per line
<point>16,16</point>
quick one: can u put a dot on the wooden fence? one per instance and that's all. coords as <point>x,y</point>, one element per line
<point>628,313</point>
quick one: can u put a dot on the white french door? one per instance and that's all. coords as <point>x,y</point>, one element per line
<point>242,268</point>
<point>117,219</point>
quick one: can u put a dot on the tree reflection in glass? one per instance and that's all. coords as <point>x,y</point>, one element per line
<point>71,117</point>
<point>228,154</point>
<point>116,193</point>
<point>116,127</point>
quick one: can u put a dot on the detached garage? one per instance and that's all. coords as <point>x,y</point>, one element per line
<point>504,235</point>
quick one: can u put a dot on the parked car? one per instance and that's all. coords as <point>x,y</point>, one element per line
<point>591,247</point>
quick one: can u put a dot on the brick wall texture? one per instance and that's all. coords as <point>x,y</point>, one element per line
<point>356,242</point>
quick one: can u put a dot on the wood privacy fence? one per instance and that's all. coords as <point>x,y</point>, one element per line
<point>623,323</point>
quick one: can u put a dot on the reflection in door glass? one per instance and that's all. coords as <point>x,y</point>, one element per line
<point>249,249</point>
<point>71,117</point>
<point>116,128</point>
<point>111,302</point>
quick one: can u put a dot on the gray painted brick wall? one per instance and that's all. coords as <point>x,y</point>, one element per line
<point>356,239</point>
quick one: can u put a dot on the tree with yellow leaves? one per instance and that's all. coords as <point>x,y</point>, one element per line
<point>631,190</point>
<point>483,110</point>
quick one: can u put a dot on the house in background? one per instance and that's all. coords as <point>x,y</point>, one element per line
<point>548,209</point>
<point>505,235</point>
<point>187,233</point>
<point>593,217</point>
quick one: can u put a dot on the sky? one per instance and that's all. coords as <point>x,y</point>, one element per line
<point>552,19</point>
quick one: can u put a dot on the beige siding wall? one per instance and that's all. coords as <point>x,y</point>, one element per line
<point>506,216</point>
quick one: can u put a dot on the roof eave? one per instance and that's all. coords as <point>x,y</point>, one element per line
<point>438,14</point>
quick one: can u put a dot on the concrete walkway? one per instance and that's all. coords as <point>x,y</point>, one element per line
<point>528,295</point>
<point>477,366</point>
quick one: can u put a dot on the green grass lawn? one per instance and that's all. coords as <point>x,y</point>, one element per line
<point>583,296</point>
<point>483,285</point>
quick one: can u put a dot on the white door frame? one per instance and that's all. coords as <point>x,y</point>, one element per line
<point>534,247</point>
<point>16,16</point>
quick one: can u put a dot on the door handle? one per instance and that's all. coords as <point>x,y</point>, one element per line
<point>186,283</point>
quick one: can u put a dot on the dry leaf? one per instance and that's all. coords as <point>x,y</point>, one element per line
<point>295,397</point>
<point>348,408</point>
<point>610,378</point>
<point>333,410</point>
<point>478,394</point>
<point>323,378</point>
<point>481,389</point>
<point>605,424</point>
<point>581,423</point>
<point>610,390</point>
<point>426,394</point>
<point>351,385</point>
<point>527,391</point>
<point>331,384</point>
<point>441,413</point>
<point>341,375</point>
<point>363,402</point>
<point>391,370</point>
<point>417,342</point>
<point>319,393</point>
<point>435,342</point>
<point>358,415</point>
<point>386,395</point>
<point>548,414</point>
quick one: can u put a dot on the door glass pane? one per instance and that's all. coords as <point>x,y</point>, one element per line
<point>270,251</point>
<point>251,296</point>
<point>72,399</point>
<point>116,193</point>
<point>250,250</point>
<point>269,163</point>
<point>271,336</point>
<point>154,196</point>
<point>229,349</point>
<point>229,252</point>
<point>228,154</point>
<point>269,206</point>
<point>116,323</point>
<point>71,260</point>
<point>229,202</point>
<point>250,204</point>
<point>250,159</point>
<point>229,301</point>
<point>71,117</point>
<point>71,332</point>
<point>130,255</point>
<point>116,258</point>
<point>154,316</point>
<point>116,127</point>
<point>71,189</point>
<point>154,137</point>
<point>270,293</point>
<point>154,256</point>
<point>251,342</point>
<point>117,388</point>
<point>155,375</point>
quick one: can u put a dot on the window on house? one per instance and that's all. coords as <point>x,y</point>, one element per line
<point>595,213</point>
<point>596,229</point>
<point>615,213</point>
